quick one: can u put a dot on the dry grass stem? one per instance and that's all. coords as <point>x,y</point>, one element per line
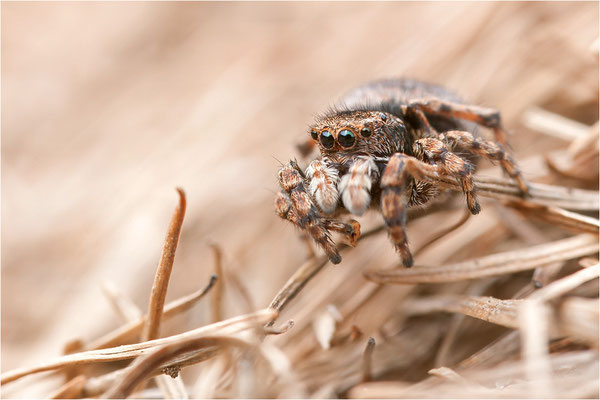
<point>70,390</point>
<point>564,285</point>
<point>367,360</point>
<point>439,235</point>
<point>558,217</point>
<point>496,264</point>
<point>489,309</point>
<point>129,331</point>
<point>553,124</point>
<point>122,304</point>
<point>558,196</point>
<point>280,329</point>
<point>296,282</point>
<point>217,293</point>
<point>144,366</point>
<point>534,327</point>
<point>172,388</point>
<point>163,272</point>
<point>226,327</point>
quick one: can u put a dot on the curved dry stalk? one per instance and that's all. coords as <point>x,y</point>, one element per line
<point>280,329</point>
<point>227,327</point>
<point>550,195</point>
<point>490,309</point>
<point>439,235</point>
<point>570,282</point>
<point>495,264</point>
<point>144,366</point>
<point>122,305</point>
<point>130,330</point>
<point>557,216</point>
<point>313,265</point>
<point>217,294</point>
<point>163,273</point>
<point>71,389</point>
<point>367,360</point>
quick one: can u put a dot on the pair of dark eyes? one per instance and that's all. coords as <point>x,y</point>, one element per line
<point>346,137</point>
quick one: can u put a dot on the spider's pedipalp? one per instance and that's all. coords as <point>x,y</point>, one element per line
<point>322,185</point>
<point>490,150</point>
<point>295,205</point>
<point>355,186</point>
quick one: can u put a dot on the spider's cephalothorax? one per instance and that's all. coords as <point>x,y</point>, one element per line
<point>385,147</point>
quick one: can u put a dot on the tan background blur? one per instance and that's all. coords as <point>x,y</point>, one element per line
<point>108,106</point>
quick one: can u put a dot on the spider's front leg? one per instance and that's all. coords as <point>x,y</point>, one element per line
<point>294,204</point>
<point>400,168</point>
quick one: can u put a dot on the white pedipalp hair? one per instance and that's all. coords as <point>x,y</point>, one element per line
<point>355,186</point>
<point>323,182</point>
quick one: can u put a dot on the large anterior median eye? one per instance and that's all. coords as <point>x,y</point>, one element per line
<point>346,138</point>
<point>327,139</point>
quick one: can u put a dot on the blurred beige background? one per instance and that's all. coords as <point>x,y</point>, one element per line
<point>107,107</point>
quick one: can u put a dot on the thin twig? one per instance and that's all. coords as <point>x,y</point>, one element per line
<point>132,329</point>
<point>495,264</point>
<point>161,280</point>
<point>439,235</point>
<point>490,309</point>
<point>534,328</point>
<point>123,305</point>
<point>564,285</point>
<point>71,389</point>
<point>557,216</point>
<point>217,294</point>
<point>144,366</point>
<point>558,196</point>
<point>226,327</point>
<point>281,329</point>
<point>367,360</point>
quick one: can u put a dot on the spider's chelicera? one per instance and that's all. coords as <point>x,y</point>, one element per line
<point>385,147</point>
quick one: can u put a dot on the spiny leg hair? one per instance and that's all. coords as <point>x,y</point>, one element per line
<point>322,186</point>
<point>355,186</point>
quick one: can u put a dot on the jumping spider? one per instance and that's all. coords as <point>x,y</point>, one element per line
<point>385,146</point>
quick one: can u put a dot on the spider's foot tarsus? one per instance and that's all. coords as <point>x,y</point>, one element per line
<point>354,234</point>
<point>335,258</point>
<point>407,260</point>
<point>475,209</point>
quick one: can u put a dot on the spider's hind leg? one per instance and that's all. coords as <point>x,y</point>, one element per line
<point>435,152</point>
<point>490,150</point>
<point>488,117</point>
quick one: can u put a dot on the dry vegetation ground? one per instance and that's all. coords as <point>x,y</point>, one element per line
<point>108,106</point>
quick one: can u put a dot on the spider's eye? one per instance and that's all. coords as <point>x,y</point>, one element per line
<point>383,117</point>
<point>346,138</point>
<point>314,134</point>
<point>327,139</point>
<point>365,132</point>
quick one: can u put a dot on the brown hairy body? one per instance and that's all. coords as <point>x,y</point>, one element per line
<point>384,146</point>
